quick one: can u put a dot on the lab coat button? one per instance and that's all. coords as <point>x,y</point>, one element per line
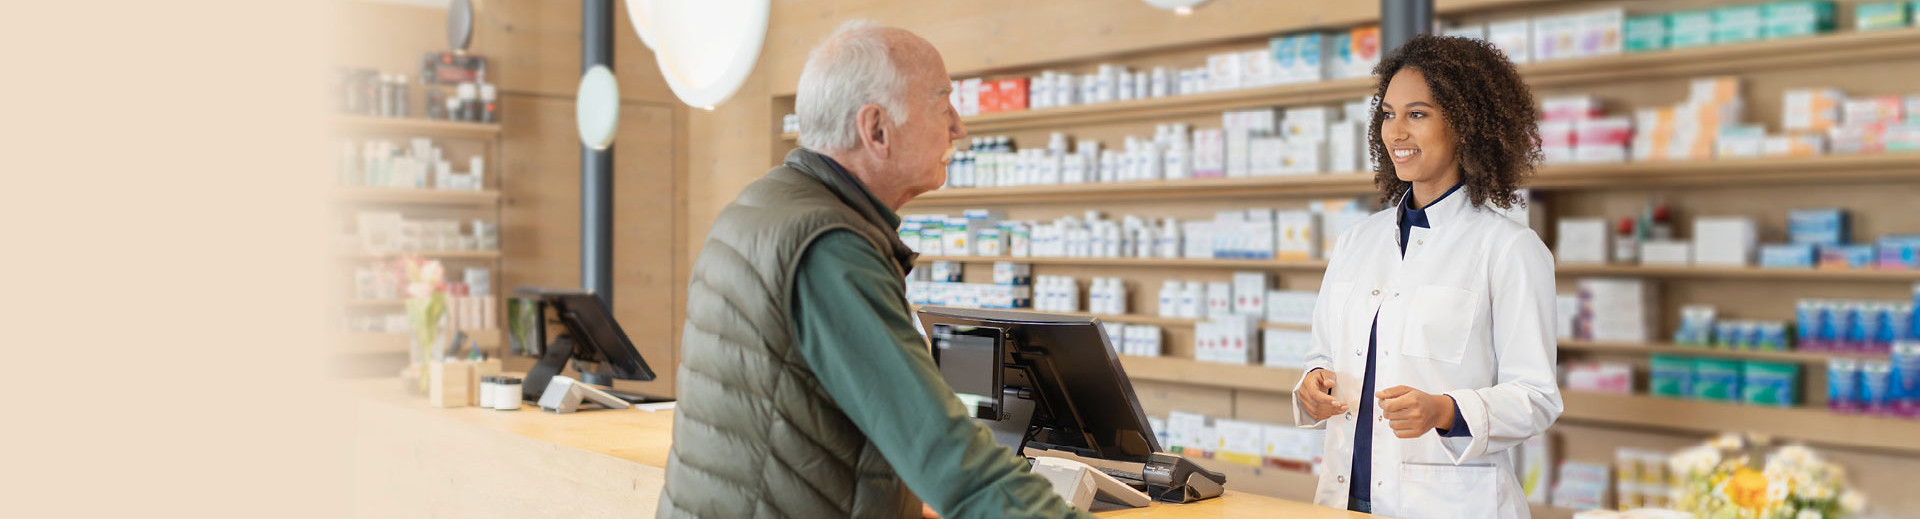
<point>1342,479</point>
<point>1419,242</point>
<point>1349,416</point>
<point>1376,292</point>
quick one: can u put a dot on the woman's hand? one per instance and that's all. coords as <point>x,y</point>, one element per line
<point>1316,395</point>
<point>1411,412</point>
<point>926,512</point>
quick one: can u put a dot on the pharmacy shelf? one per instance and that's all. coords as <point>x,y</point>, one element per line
<point>1164,322</point>
<point>1801,357</point>
<point>1825,50</point>
<point>404,196</point>
<point>1749,273</point>
<point>1811,425</point>
<point>1884,167</point>
<point>1211,374</point>
<point>1141,262</point>
<point>412,127</point>
<point>397,343</point>
<point>429,254</point>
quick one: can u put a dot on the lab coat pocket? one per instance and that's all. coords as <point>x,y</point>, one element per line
<point>1444,316</point>
<point>1449,491</point>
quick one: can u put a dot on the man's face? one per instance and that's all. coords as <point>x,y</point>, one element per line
<point>925,143</point>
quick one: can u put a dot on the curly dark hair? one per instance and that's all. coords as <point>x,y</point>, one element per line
<point>1486,104</point>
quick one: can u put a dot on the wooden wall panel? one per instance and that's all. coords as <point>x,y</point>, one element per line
<point>534,48</point>
<point>644,291</point>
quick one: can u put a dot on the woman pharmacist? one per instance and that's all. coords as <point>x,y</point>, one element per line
<point>1433,350</point>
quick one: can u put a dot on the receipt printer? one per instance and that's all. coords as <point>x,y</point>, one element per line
<point>1079,484</point>
<point>1173,479</point>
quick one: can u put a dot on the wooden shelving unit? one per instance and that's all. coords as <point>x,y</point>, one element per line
<point>1837,48</point>
<point>1211,374</point>
<point>481,139</point>
<point>1569,269</point>
<point>1165,322</point>
<point>1750,273</point>
<point>1804,170</point>
<point>402,196</point>
<point>1811,425</point>
<point>1140,262</point>
<point>1802,357</point>
<point>414,127</point>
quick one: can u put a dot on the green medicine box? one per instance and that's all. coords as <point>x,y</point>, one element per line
<point>1690,29</point>
<point>1716,380</point>
<point>1647,33</point>
<point>1772,384</point>
<point>1796,19</point>
<point>1672,376</point>
<point>1874,16</point>
<point>1738,24</point>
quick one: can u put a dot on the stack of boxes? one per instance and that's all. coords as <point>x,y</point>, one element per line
<point>1773,384</point>
<point>941,285</point>
<point>1689,131</point>
<point>1241,442</point>
<point>1728,25</point>
<point>1574,129</point>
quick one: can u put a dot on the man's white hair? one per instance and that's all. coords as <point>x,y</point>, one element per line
<point>848,70</point>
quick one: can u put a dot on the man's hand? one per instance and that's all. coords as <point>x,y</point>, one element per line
<point>1411,412</point>
<point>1316,395</point>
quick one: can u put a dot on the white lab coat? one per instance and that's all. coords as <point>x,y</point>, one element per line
<point>1469,313</point>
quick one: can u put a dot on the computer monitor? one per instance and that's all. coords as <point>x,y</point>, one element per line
<point>599,348</point>
<point>1057,384</point>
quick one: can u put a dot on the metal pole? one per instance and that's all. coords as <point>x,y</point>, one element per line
<point>1400,20</point>
<point>596,166</point>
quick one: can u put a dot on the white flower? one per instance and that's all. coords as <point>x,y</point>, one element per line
<point>1727,441</point>
<point>419,290</point>
<point>1776,490</point>
<point>1809,514</point>
<point>433,273</point>
<point>1853,502</point>
<point>1818,492</point>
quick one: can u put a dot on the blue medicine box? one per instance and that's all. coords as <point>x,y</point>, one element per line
<point>1855,256</point>
<point>1787,255</point>
<point>1818,226</point>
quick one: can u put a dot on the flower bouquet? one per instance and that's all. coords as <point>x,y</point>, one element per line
<point>1718,480</point>
<point>426,315</point>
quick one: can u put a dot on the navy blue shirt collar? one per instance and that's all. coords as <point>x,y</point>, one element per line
<point>1411,216</point>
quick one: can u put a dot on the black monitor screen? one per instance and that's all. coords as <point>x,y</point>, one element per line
<point>599,337</point>
<point>1063,365</point>
<point>970,359</point>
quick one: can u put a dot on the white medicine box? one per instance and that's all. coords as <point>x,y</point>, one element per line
<point>1249,293</point>
<point>1298,235</point>
<point>1219,299</point>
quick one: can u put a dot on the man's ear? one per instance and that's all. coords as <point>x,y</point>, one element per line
<point>876,135</point>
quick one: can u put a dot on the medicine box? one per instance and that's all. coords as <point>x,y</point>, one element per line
<point>1797,18</point>
<point>1513,37</point>
<point>1291,306</point>
<point>1738,24</point>
<point>1873,16</point>
<point>1250,293</point>
<point>1286,348</point>
<point>1811,109</point>
<point>1901,252</point>
<point>1297,235</point>
<point>1470,31</point>
<point>1847,256</point>
<point>1773,384</point>
<point>1666,253</point>
<point>1647,33</point>
<point>1725,241</point>
<point>1672,377</point>
<point>1219,299</point>
<point>1012,273</point>
<point>1582,240</point>
<point>1716,380</point>
<point>1240,442</point>
<point>1818,226</point>
<point>1690,29</point>
<point>1787,255</point>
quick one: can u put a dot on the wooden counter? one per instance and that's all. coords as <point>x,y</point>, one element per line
<point>413,460</point>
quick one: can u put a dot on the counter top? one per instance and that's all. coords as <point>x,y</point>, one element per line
<point>413,459</point>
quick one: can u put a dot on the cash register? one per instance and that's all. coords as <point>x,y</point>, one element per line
<point>1054,383</point>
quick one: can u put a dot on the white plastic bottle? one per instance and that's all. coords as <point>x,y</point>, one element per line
<point>1069,294</point>
<point>1192,300</point>
<point>1170,298</point>
<point>1116,296</point>
<point>1169,241</point>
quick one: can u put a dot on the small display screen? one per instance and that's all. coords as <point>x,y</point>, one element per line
<point>969,360</point>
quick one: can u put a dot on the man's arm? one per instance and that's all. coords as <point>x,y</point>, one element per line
<point>850,324</point>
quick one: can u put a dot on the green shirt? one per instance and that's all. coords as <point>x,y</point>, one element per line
<point>851,324</point>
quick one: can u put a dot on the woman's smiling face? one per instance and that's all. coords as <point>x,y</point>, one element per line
<point>1415,132</point>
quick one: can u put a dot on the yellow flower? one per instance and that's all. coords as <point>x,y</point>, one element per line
<point>1747,489</point>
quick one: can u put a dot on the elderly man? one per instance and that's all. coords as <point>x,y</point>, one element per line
<point>805,390</point>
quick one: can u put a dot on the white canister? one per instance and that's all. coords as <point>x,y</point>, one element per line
<point>487,389</point>
<point>506,396</point>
